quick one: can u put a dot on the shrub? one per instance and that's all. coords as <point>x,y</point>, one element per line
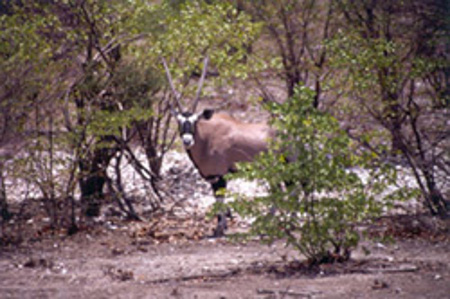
<point>320,185</point>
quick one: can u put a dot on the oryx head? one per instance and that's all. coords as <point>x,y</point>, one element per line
<point>187,124</point>
<point>187,119</point>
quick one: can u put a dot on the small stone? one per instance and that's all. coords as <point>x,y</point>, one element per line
<point>379,284</point>
<point>234,261</point>
<point>117,251</point>
<point>380,245</point>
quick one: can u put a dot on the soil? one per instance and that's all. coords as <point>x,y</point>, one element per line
<point>172,257</point>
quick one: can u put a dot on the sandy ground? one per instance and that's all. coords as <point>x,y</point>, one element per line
<point>135,260</point>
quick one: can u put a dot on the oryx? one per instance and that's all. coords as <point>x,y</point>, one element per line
<point>215,142</point>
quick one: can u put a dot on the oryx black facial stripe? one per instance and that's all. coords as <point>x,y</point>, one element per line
<point>187,128</point>
<point>187,123</point>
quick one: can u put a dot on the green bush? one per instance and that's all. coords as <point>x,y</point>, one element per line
<point>320,185</point>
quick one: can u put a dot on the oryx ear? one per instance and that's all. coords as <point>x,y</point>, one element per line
<point>207,113</point>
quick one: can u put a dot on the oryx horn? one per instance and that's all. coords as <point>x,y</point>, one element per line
<point>200,83</point>
<point>176,94</point>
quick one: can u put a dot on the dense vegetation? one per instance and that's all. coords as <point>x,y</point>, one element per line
<point>364,84</point>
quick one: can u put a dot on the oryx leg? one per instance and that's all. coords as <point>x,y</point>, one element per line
<point>218,185</point>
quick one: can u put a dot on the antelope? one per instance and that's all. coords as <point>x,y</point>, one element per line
<point>215,142</point>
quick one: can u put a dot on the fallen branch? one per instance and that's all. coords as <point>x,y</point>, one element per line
<point>398,269</point>
<point>208,276</point>
<point>291,293</point>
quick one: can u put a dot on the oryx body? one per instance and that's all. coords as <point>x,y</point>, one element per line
<point>215,142</point>
<point>221,141</point>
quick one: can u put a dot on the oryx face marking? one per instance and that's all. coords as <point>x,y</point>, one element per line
<point>186,126</point>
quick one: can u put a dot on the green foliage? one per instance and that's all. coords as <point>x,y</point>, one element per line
<point>378,64</point>
<point>318,188</point>
<point>363,57</point>
<point>184,33</point>
<point>67,48</point>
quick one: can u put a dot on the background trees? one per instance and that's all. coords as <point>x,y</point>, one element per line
<point>293,39</point>
<point>378,66</point>
<point>83,85</point>
<point>394,59</point>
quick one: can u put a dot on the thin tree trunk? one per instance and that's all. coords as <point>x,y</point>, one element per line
<point>439,206</point>
<point>4,210</point>
<point>92,193</point>
<point>120,192</point>
<point>92,182</point>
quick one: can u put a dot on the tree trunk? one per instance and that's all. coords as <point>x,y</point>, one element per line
<point>92,194</point>
<point>93,180</point>
<point>436,201</point>
<point>396,139</point>
<point>4,211</point>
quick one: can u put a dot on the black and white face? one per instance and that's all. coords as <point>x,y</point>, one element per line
<point>187,123</point>
<point>186,126</point>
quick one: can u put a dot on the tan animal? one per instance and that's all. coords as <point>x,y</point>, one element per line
<point>215,142</point>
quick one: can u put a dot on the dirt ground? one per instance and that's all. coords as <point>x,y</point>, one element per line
<point>172,258</point>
